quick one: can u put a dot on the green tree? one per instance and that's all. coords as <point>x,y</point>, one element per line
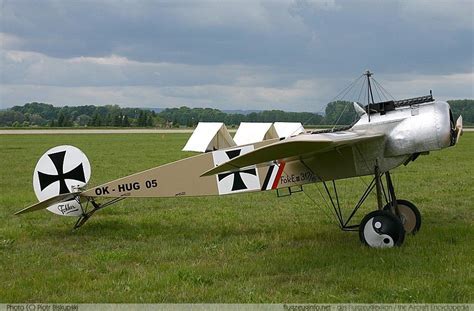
<point>83,120</point>
<point>117,120</point>
<point>149,120</point>
<point>36,119</point>
<point>61,119</point>
<point>141,122</point>
<point>125,121</point>
<point>96,119</point>
<point>464,107</point>
<point>8,117</point>
<point>340,113</point>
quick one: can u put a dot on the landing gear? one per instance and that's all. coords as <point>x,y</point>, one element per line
<point>381,229</point>
<point>409,215</point>
<point>88,212</point>
<point>385,227</point>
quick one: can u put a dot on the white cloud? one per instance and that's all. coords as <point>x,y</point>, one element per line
<point>117,80</point>
<point>303,95</point>
<point>295,98</point>
<point>22,67</point>
<point>9,41</point>
<point>113,60</point>
<point>445,87</point>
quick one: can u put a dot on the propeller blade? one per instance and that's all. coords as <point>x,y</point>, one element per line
<point>459,130</point>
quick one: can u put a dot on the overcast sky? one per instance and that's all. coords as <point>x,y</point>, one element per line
<point>289,55</point>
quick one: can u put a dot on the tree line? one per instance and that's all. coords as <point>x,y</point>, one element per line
<point>46,115</point>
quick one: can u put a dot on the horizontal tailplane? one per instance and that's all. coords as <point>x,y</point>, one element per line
<point>48,202</point>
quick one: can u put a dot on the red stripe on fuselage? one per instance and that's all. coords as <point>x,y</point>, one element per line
<point>278,176</point>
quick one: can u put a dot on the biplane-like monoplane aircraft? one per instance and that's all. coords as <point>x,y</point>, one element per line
<point>387,135</point>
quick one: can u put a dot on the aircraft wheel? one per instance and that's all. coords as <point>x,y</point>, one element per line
<point>381,229</point>
<point>409,215</point>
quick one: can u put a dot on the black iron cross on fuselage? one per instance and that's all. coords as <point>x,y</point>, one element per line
<point>238,182</point>
<point>58,160</point>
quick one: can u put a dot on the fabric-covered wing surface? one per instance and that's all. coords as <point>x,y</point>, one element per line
<point>298,146</point>
<point>46,203</point>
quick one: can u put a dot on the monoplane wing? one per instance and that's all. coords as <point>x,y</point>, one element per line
<point>46,203</point>
<point>298,146</point>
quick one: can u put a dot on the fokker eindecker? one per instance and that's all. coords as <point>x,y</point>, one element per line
<point>387,135</point>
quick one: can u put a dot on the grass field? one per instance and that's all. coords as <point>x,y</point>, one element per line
<point>244,248</point>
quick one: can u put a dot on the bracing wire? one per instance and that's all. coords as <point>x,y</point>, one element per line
<point>383,89</point>
<point>347,89</point>
<point>344,91</point>
<point>377,92</point>
<point>381,93</point>
<point>352,86</point>
<point>340,116</point>
<point>361,90</point>
<point>347,104</point>
<point>376,84</point>
<point>363,86</point>
<point>330,214</point>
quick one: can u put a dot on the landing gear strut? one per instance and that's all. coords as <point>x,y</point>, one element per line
<point>385,227</point>
<point>87,213</point>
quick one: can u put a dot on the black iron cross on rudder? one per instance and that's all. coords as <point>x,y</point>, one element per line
<point>58,160</point>
<point>238,183</point>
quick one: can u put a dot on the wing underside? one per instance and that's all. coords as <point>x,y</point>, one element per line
<point>302,146</point>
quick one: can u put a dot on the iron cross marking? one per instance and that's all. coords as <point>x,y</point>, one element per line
<point>58,160</point>
<point>238,182</point>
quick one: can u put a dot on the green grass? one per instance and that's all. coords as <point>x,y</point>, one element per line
<point>242,248</point>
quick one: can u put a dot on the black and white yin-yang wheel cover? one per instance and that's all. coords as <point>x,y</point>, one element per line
<point>56,172</point>
<point>380,229</point>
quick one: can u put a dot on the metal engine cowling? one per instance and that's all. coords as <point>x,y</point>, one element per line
<point>427,128</point>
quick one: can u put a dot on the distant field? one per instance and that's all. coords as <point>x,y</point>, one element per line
<point>243,248</point>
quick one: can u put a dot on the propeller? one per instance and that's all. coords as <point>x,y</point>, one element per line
<point>459,130</point>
